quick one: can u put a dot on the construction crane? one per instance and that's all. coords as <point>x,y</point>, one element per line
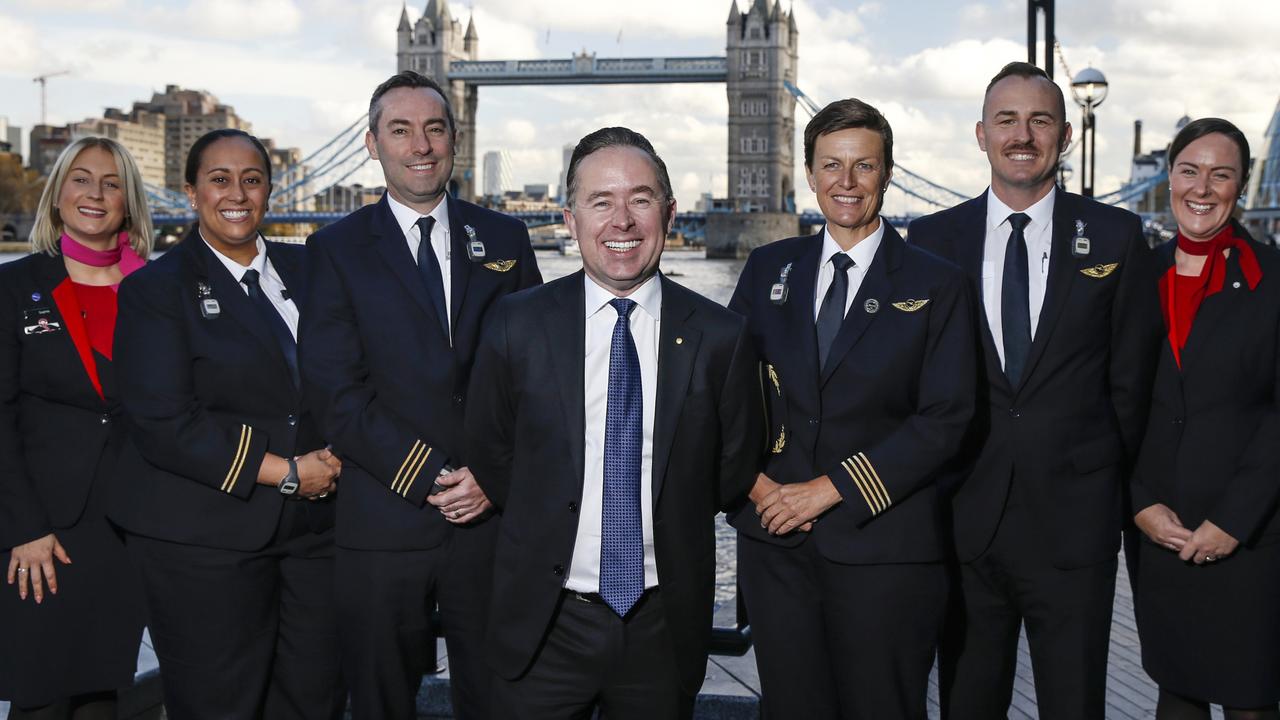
<point>43,80</point>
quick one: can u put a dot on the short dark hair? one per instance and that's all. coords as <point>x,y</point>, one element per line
<point>407,79</point>
<point>613,137</point>
<point>1026,70</point>
<point>1197,129</point>
<point>844,115</point>
<point>196,153</point>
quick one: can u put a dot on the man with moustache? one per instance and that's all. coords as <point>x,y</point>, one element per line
<point>610,419</point>
<point>869,373</point>
<point>386,346</point>
<point>1069,332</point>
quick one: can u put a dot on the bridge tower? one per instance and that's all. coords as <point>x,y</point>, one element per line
<point>761,54</point>
<point>427,47</point>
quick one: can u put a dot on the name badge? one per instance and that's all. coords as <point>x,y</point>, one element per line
<point>778,293</point>
<point>1080,244</point>
<point>209,307</point>
<point>38,321</point>
<point>475,248</point>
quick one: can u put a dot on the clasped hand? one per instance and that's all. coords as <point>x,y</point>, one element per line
<point>462,501</point>
<point>318,473</point>
<point>793,506</point>
<point>1207,544</point>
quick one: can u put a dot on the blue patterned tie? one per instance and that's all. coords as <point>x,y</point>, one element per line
<point>621,537</point>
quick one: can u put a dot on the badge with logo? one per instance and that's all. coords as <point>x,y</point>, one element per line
<point>872,306</point>
<point>1080,244</point>
<point>475,248</point>
<point>778,293</point>
<point>209,307</point>
<point>39,321</point>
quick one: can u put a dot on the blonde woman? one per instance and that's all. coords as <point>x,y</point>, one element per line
<point>70,617</point>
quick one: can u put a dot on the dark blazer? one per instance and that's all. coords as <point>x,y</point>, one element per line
<point>887,412</point>
<point>1212,446</point>
<point>206,399</point>
<point>388,385</point>
<point>526,430</point>
<point>1071,429</point>
<point>55,420</point>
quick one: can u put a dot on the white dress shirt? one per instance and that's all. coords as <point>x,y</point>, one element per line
<point>645,320</point>
<point>268,280</point>
<point>1039,236</point>
<point>407,219</point>
<point>861,255</point>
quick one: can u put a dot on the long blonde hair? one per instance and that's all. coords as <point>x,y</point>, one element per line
<point>46,233</point>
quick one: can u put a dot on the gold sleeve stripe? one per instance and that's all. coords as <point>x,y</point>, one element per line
<point>408,462</point>
<point>866,496</point>
<point>873,477</point>
<point>416,469</point>
<point>237,462</point>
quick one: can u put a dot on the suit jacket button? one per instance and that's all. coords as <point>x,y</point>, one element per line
<point>573,507</point>
<point>558,570</point>
<point>813,421</point>
<point>1177,421</point>
<point>293,420</point>
<point>104,419</point>
<point>457,399</point>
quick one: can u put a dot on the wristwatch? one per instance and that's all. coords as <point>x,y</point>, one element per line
<point>289,484</point>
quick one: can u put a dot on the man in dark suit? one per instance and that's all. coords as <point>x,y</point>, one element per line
<point>611,417</point>
<point>1068,333</point>
<point>869,374</point>
<point>400,291</point>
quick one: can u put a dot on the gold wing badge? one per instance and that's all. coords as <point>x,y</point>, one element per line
<point>911,305</point>
<point>1100,270</point>
<point>500,265</point>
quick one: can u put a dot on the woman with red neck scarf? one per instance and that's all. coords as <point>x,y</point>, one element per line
<point>70,617</point>
<point>1207,481</point>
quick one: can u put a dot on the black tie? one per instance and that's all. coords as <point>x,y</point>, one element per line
<point>272,317</point>
<point>1015,308</point>
<point>831,312</point>
<point>429,267</point>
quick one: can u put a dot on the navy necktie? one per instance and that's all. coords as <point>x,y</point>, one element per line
<point>1015,307</point>
<point>621,535</point>
<point>429,267</point>
<point>288,345</point>
<point>831,312</point>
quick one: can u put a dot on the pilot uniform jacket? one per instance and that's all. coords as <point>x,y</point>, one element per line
<point>1070,430</point>
<point>61,431</point>
<point>526,434</point>
<point>208,393</point>
<point>1212,452</point>
<point>388,384</point>
<point>888,411</point>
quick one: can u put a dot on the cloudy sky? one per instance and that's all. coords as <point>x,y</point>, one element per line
<point>302,70</point>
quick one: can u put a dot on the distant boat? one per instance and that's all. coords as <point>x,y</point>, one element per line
<point>568,246</point>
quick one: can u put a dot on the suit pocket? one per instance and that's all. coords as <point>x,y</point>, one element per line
<point>1096,454</point>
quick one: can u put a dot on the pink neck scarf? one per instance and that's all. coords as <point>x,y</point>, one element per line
<point>122,254</point>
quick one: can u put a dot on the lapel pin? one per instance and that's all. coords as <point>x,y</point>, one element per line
<point>872,306</point>
<point>209,307</point>
<point>680,340</point>
<point>475,248</point>
<point>778,293</point>
<point>1080,244</point>
<point>35,297</point>
<point>1236,285</point>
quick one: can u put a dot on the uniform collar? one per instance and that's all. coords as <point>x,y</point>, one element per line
<point>648,296</point>
<point>861,254</point>
<point>237,270</point>
<point>406,217</point>
<point>1041,213</point>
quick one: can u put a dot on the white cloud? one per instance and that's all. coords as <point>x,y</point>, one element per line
<point>243,19</point>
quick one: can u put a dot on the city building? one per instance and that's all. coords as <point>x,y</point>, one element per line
<point>347,198</point>
<point>428,46</point>
<point>1263,213</point>
<point>497,173</point>
<point>140,132</point>
<point>47,142</point>
<point>11,138</point>
<point>188,115</point>
<point>291,189</point>
<point>1154,203</point>
<point>563,189</point>
<point>538,192</point>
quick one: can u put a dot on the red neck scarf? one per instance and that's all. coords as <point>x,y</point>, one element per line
<point>1180,311</point>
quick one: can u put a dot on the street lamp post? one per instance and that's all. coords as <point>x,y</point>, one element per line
<point>1089,89</point>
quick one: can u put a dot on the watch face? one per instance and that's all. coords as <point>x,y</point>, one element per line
<point>288,486</point>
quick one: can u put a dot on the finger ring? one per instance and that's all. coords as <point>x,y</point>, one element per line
<point>22,570</point>
<point>1209,558</point>
<point>324,494</point>
<point>455,514</point>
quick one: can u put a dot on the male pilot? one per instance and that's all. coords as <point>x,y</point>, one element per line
<point>1069,329</point>
<point>869,372</point>
<point>386,345</point>
<point>612,414</point>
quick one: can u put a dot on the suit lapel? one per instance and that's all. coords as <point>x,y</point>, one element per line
<point>293,277</point>
<point>1213,313</point>
<point>460,265</point>
<point>231,295</point>
<point>875,286</point>
<point>391,245</point>
<point>564,323</point>
<point>799,306</point>
<point>970,244</point>
<point>53,274</point>
<point>677,347</point>
<point>1061,274</point>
